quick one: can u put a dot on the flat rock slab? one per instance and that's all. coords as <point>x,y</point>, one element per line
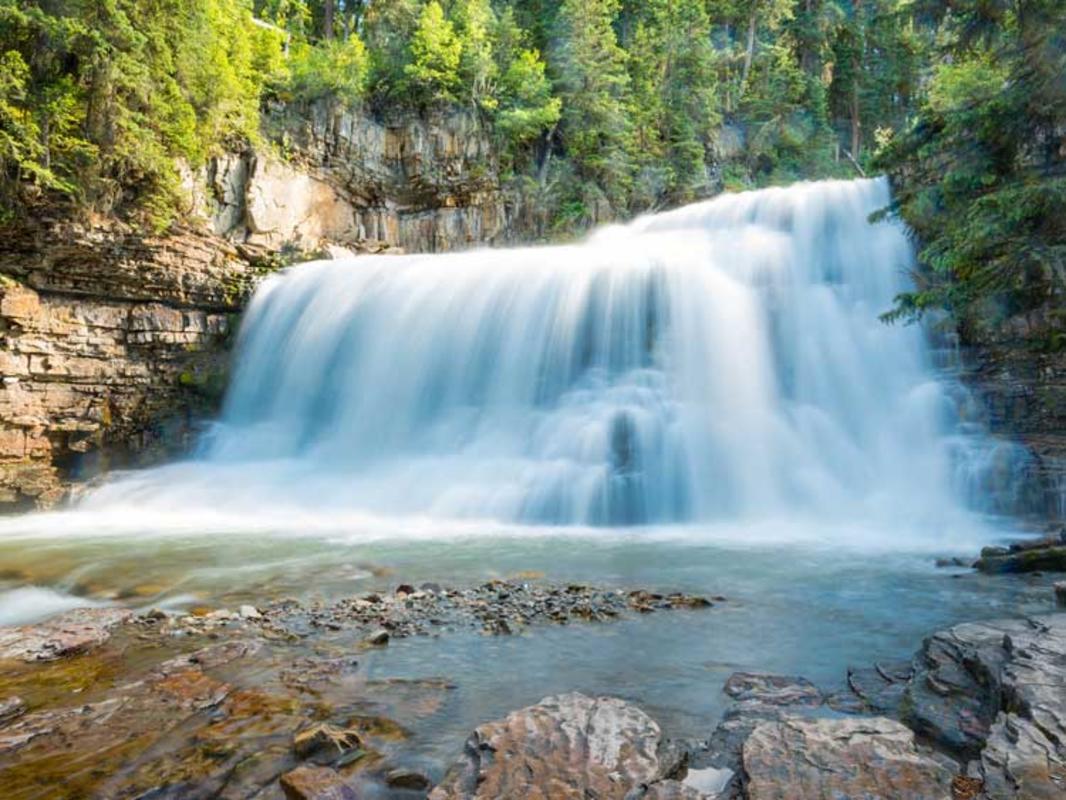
<point>773,690</point>
<point>873,758</point>
<point>566,747</point>
<point>68,634</point>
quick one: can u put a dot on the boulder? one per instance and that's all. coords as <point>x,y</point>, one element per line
<point>873,758</point>
<point>758,698</point>
<point>567,747</point>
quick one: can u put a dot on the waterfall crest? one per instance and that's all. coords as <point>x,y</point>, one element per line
<point>724,360</point>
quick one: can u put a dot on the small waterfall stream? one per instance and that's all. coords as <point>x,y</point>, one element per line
<point>721,361</point>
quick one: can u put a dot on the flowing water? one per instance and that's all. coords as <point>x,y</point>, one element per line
<point>702,400</point>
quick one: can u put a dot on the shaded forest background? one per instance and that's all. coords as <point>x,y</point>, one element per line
<point>600,109</point>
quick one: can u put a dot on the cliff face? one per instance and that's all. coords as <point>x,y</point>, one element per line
<point>1023,390</point>
<point>113,343</point>
<point>110,347</point>
<point>428,185</point>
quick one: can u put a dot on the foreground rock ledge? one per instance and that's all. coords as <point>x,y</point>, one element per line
<point>567,747</point>
<point>867,758</point>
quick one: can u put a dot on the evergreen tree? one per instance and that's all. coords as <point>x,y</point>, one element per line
<point>433,71</point>
<point>589,73</point>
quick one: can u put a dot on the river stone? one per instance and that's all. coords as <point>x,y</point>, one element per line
<point>873,758</point>
<point>316,783</point>
<point>69,634</point>
<point>566,747</point>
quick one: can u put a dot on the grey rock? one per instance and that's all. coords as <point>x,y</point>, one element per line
<point>871,758</point>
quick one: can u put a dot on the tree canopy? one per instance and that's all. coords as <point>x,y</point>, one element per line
<point>604,107</point>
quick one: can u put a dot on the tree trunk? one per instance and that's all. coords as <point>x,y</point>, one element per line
<point>327,19</point>
<point>856,121</point>
<point>749,52</point>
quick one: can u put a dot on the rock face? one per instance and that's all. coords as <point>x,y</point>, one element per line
<point>416,184</point>
<point>112,342</point>
<point>568,747</point>
<point>996,692</point>
<point>873,758</point>
<point>108,339</point>
<point>1023,394</point>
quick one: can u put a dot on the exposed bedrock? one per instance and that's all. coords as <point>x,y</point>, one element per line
<point>113,343</point>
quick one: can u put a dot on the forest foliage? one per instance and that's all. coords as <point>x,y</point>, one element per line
<point>599,108</point>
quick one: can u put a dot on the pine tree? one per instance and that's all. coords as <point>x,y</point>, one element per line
<point>433,71</point>
<point>588,70</point>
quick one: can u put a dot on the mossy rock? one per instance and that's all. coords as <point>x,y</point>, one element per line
<point>1045,559</point>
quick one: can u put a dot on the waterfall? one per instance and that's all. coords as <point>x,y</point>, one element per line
<point>721,361</point>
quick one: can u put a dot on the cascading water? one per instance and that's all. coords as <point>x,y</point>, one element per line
<point>724,360</point>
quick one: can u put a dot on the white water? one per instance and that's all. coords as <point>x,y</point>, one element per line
<point>721,362</point>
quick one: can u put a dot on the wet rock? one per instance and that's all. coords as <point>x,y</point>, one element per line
<point>880,688</point>
<point>758,698</point>
<point>10,708</point>
<point>215,655</point>
<point>316,783</point>
<point>326,739</point>
<point>378,637</point>
<point>249,612</point>
<point>1021,762</point>
<point>1040,556</point>
<point>407,779</point>
<point>68,634</point>
<point>667,790</point>
<point>953,562</point>
<point>773,690</point>
<point>997,691</point>
<point>873,758</point>
<point>567,747</point>
<point>1060,593</point>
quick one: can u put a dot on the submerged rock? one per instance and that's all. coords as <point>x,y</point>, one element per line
<point>325,738</point>
<point>873,758</point>
<point>71,633</point>
<point>10,708</point>
<point>774,690</point>
<point>567,747</point>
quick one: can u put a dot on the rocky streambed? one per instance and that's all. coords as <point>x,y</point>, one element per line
<point>276,702</point>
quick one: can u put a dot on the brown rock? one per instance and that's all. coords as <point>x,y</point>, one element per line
<point>873,758</point>
<point>69,634</point>
<point>316,783</point>
<point>324,737</point>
